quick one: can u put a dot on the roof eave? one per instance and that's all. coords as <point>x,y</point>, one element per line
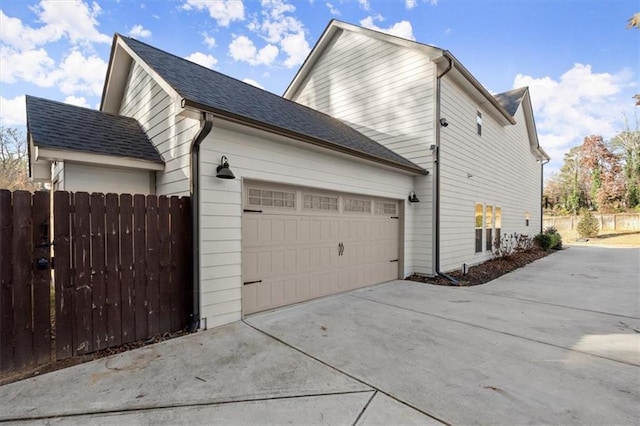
<point>417,170</point>
<point>478,86</point>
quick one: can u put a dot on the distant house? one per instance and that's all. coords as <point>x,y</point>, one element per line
<point>384,158</point>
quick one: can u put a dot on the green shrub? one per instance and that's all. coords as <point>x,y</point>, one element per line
<point>556,238</point>
<point>549,239</point>
<point>588,226</point>
<point>543,241</point>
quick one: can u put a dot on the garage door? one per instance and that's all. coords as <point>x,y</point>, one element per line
<point>300,244</point>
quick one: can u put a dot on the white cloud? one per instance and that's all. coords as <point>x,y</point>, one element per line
<point>332,9</point>
<point>77,101</point>
<point>399,29</point>
<point>80,74</point>
<point>209,41</point>
<point>202,59</point>
<point>296,48</point>
<point>223,11</point>
<point>364,4</point>
<point>32,66</point>
<point>277,26</point>
<point>578,104</point>
<point>253,83</point>
<point>243,49</point>
<point>13,111</point>
<point>410,4</point>
<point>140,32</point>
<point>74,19</point>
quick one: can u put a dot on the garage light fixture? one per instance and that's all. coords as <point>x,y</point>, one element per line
<point>223,171</point>
<point>413,198</point>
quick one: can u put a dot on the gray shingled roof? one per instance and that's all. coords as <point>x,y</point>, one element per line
<point>511,100</point>
<point>57,125</point>
<point>217,92</point>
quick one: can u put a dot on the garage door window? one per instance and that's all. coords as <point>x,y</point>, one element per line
<point>320,202</point>
<point>357,206</point>
<point>270,198</point>
<point>386,208</point>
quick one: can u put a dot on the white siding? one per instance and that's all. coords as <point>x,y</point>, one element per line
<point>57,176</point>
<point>258,156</point>
<point>386,92</point>
<point>147,102</point>
<point>92,178</point>
<point>504,173</point>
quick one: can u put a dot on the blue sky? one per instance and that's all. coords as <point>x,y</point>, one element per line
<point>579,60</point>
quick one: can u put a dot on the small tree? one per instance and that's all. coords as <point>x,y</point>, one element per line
<point>588,226</point>
<point>14,162</point>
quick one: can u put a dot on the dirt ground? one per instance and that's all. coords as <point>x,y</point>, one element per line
<point>626,239</point>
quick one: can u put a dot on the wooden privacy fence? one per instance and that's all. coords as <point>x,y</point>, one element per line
<point>609,222</point>
<point>121,270</point>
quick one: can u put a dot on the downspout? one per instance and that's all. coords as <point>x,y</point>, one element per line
<point>542,163</point>
<point>436,169</point>
<point>206,124</point>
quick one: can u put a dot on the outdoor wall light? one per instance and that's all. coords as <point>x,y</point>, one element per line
<point>444,122</point>
<point>526,218</point>
<point>223,171</point>
<point>413,198</point>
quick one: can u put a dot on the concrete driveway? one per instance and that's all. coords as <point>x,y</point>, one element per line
<point>555,342</point>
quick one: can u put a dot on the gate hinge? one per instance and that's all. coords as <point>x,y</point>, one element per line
<point>395,217</point>
<point>251,282</point>
<point>252,211</point>
<point>395,260</point>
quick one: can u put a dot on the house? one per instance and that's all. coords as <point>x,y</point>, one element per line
<point>384,157</point>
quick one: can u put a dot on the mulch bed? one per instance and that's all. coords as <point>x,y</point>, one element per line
<point>487,271</point>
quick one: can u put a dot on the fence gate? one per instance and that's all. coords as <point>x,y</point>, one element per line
<point>121,268</point>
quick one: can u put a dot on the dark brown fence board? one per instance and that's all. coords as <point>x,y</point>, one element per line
<point>164,259</point>
<point>64,285</point>
<point>22,265</point>
<point>126,269</point>
<point>83,333</point>
<point>112,267</point>
<point>41,278</point>
<point>98,284</point>
<point>122,272</point>
<point>140,277</point>
<point>152,261</point>
<point>177,272</point>
<point>6,282</point>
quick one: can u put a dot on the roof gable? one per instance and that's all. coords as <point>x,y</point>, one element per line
<point>211,91</point>
<point>60,126</point>
<point>511,100</point>
<point>443,58</point>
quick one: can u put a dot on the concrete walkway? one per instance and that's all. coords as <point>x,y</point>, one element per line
<point>555,342</point>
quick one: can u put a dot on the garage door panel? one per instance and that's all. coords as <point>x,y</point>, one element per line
<point>311,252</point>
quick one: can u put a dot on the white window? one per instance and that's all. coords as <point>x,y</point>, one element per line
<point>489,228</point>
<point>320,202</point>
<point>386,208</point>
<point>270,198</point>
<point>498,225</point>
<point>357,205</point>
<point>478,224</point>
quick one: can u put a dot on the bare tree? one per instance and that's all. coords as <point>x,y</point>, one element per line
<point>14,161</point>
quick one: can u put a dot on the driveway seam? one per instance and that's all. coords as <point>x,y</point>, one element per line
<point>491,329</point>
<point>373,388</point>
<point>169,406</point>
<point>364,408</point>
<point>546,303</point>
